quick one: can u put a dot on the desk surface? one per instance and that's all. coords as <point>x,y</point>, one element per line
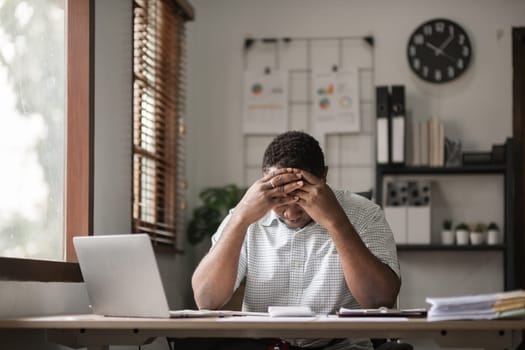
<point>89,321</point>
<point>92,329</point>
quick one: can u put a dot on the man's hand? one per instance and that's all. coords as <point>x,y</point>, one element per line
<point>319,201</point>
<point>271,190</point>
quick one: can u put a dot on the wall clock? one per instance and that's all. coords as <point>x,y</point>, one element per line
<point>439,51</point>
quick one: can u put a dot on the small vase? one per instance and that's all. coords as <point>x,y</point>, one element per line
<point>493,237</point>
<point>447,237</point>
<point>477,238</point>
<point>462,237</point>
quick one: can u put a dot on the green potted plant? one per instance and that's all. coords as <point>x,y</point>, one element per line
<point>462,234</point>
<point>216,201</point>
<point>447,235</point>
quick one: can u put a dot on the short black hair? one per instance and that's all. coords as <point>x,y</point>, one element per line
<point>295,149</point>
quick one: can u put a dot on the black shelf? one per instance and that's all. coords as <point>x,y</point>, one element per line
<point>505,169</point>
<point>452,248</point>
<point>478,169</point>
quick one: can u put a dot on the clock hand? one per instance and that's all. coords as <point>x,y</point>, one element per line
<point>436,49</point>
<point>438,52</point>
<point>445,43</point>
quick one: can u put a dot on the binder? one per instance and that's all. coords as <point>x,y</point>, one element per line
<point>398,116</point>
<point>382,125</point>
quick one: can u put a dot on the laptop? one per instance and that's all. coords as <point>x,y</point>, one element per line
<point>123,280</point>
<point>121,275</point>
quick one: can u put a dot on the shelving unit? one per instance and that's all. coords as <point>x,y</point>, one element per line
<point>503,169</point>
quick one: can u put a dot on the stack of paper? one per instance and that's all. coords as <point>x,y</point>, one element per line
<point>478,307</point>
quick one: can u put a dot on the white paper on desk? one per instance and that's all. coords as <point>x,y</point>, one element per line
<point>334,318</point>
<point>268,319</point>
<point>481,306</point>
<point>290,311</point>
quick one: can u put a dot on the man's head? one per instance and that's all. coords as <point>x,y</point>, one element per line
<point>295,149</point>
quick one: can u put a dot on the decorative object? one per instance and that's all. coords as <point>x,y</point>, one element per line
<point>447,235</point>
<point>439,51</point>
<point>207,217</point>
<point>493,234</point>
<point>453,154</point>
<point>477,235</point>
<point>462,234</point>
<point>418,212</point>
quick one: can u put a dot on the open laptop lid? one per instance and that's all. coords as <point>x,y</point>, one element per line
<point>121,275</point>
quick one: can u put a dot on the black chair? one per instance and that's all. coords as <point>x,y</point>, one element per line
<point>390,344</point>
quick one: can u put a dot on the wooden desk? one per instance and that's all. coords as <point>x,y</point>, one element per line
<point>98,332</point>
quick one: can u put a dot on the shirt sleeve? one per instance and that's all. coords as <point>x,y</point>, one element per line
<point>376,234</point>
<point>241,269</point>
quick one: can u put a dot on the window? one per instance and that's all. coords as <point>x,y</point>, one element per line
<point>32,85</point>
<point>76,109</point>
<point>158,112</point>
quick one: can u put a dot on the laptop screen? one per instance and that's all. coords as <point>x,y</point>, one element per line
<point>121,275</point>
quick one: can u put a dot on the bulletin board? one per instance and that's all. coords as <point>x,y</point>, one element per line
<point>304,63</point>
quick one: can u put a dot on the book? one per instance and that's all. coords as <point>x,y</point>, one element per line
<point>424,143</point>
<point>478,307</point>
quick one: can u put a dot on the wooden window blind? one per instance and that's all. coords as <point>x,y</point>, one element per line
<point>158,118</point>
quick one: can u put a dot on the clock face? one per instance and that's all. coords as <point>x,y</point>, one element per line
<point>439,51</point>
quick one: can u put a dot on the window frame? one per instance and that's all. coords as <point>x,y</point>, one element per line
<point>79,153</point>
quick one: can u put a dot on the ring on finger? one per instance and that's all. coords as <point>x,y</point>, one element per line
<point>271,183</point>
<point>281,188</point>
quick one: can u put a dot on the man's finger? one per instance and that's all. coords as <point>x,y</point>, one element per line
<point>310,178</point>
<point>272,174</point>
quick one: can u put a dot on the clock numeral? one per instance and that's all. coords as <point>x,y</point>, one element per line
<point>461,39</point>
<point>460,63</point>
<point>425,71</point>
<point>440,27</point>
<point>450,72</point>
<point>451,29</point>
<point>419,39</point>
<point>416,63</point>
<point>427,30</point>
<point>437,75</point>
<point>466,51</point>
<point>412,50</point>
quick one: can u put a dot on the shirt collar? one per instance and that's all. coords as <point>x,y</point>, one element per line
<point>269,218</point>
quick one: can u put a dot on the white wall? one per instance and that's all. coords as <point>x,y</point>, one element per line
<point>477,108</point>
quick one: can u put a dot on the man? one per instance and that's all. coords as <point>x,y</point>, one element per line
<point>295,241</point>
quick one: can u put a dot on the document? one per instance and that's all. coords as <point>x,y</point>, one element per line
<point>478,307</point>
<point>265,104</point>
<point>336,102</point>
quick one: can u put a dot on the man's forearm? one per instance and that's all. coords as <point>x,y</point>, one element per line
<point>214,278</point>
<point>371,282</point>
